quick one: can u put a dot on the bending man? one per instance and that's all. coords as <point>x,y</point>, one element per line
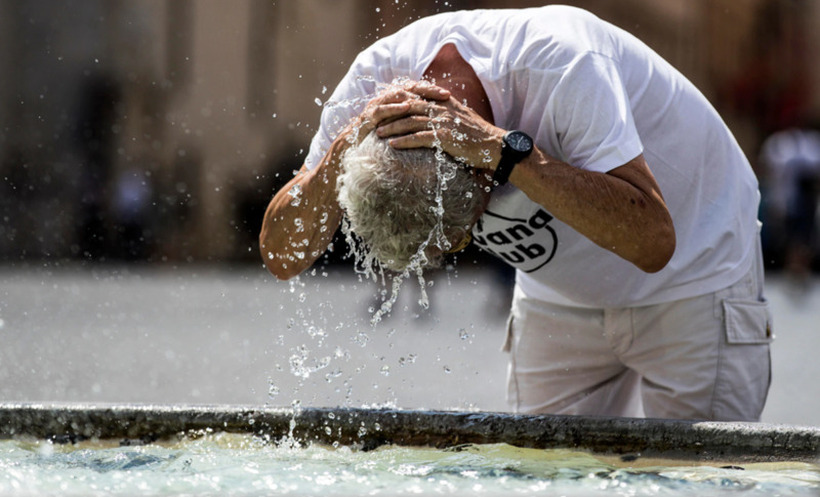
<point>620,197</point>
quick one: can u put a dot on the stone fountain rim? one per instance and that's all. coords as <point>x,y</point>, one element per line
<point>369,428</point>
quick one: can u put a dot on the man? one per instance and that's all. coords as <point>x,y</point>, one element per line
<point>621,198</point>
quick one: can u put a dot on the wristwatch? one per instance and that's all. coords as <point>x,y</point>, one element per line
<point>515,147</point>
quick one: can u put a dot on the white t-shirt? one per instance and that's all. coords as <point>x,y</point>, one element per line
<point>594,96</point>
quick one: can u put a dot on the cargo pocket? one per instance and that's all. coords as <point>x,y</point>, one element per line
<point>747,322</point>
<point>744,372</point>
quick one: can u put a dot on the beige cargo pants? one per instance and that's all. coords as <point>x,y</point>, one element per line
<point>700,358</point>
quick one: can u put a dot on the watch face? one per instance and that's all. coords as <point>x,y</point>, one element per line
<point>519,141</point>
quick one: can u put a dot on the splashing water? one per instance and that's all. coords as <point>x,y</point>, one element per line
<point>369,267</point>
<point>296,194</point>
<point>227,464</point>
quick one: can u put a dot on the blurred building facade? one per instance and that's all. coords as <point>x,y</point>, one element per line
<point>159,130</point>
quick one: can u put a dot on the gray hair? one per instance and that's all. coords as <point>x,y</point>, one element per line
<point>402,203</point>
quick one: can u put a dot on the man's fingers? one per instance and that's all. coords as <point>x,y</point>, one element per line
<point>387,111</point>
<point>414,91</point>
<point>421,139</point>
<point>380,114</point>
<point>412,109</point>
<point>403,126</point>
<point>428,90</point>
<point>404,110</point>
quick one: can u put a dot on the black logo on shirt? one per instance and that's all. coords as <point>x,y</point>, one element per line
<point>527,244</point>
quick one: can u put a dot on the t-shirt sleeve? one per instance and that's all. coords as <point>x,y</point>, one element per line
<point>592,115</point>
<point>369,72</point>
<point>346,102</point>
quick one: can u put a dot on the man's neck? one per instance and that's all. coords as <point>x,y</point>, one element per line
<point>449,70</point>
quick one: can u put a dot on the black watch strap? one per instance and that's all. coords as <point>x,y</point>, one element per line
<point>515,147</point>
<point>502,172</point>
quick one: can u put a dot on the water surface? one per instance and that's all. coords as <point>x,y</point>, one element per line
<point>244,465</point>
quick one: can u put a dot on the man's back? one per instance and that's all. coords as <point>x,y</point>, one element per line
<point>594,96</point>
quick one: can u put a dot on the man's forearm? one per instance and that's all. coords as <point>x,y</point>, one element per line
<point>301,218</point>
<point>622,211</point>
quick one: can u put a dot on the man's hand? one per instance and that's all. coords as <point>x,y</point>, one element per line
<point>395,103</point>
<point>445,123</point>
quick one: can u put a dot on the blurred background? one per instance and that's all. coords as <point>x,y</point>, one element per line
<point>157,131</point>
<point>151,135</point>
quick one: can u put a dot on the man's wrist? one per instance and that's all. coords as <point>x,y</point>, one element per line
<point>515,147</point>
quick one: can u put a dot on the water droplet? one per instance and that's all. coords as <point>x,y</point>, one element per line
<point>333,375</point>
<point>410,359</point>
<point>296,194</point>
<point>361,339</point>
<point>273,390</point>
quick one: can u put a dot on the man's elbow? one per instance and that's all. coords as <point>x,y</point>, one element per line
<point>660,251</point>
<point>281,270</point>
<point>277,265</point>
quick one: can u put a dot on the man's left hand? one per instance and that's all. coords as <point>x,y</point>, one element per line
<point>449,125</point>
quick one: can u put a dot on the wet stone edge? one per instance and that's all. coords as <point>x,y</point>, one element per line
<point>371,428</point>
